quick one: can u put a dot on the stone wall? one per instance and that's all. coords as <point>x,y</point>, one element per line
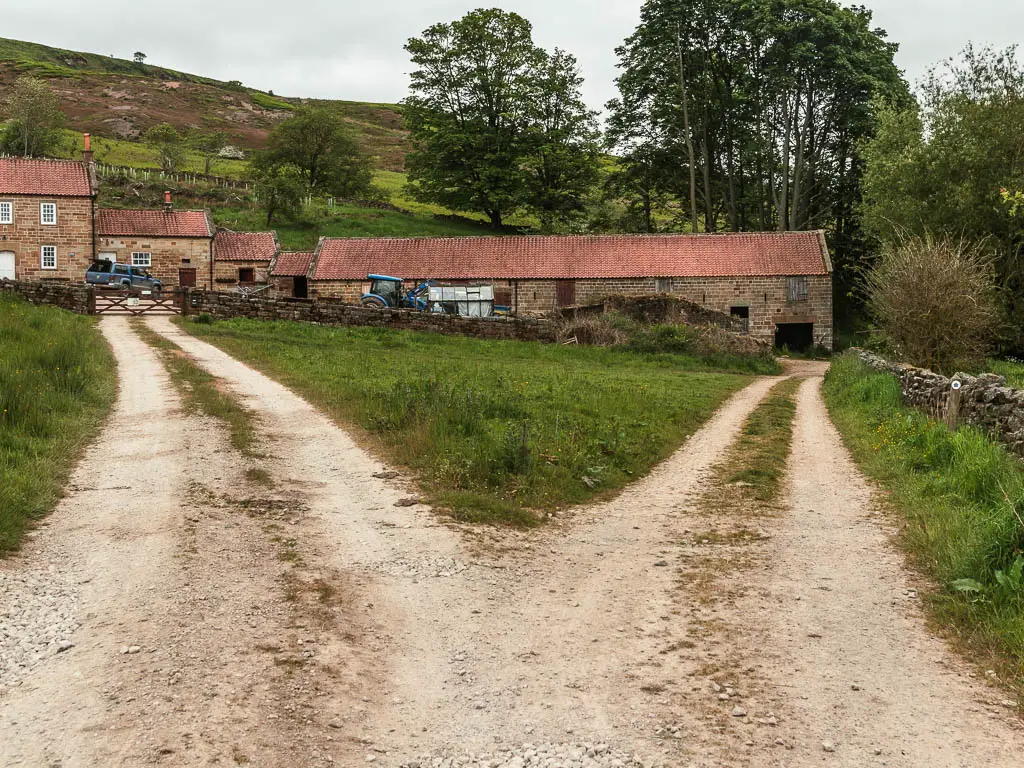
<point>74,297</point>
<point>326,311</point>
<point>766,299</point>
<point>665,308</point>
<point>226,273</point>
<point>984,401</point>
<point>71,236</point>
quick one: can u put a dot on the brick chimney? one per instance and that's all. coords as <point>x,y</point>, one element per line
<point>90,163</point>
<point>167,201</point>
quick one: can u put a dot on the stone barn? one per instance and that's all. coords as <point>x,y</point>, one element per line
<point>289,274</point>
<point>779,284</point>
<point>243,258</point>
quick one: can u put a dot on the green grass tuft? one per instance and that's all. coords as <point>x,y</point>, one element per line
<point>201,393</point>
<point>497,431</point>
<point>961,496</point>
<point>760,455</point>
<point>57,383</point>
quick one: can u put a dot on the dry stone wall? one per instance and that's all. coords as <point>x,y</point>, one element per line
<point>984,401</point>
<point>326,311</point>
<point>76,298</point>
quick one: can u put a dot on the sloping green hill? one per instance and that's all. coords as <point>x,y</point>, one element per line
<point>121,99</point>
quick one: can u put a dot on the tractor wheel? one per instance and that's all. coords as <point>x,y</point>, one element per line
<point>374,302</point>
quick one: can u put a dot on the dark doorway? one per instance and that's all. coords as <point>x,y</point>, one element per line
<point>300,288</point>
<point>246,275</point>
<point>743,313</point>
<point>187,278</point>
<point>565,293</point>
<point>798,337</point>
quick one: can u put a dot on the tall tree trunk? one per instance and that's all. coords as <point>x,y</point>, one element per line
<point>787,148</point>
<point>686,130</point>
<point>496,219</point>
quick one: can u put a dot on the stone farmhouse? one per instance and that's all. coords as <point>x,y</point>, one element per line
<point>47,212</point>
<point>779,284</point>
<point>175,246</point>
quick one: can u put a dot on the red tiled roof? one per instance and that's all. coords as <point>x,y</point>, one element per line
<point>538,257</point>
<point>132,223</point>
<point>245,246</point>
<point>57,178</point>
<point>292,265</point>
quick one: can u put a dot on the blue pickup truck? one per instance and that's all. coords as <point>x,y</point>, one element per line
<point>114,275</point>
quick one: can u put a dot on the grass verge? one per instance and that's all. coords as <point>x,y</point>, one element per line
<point>757,462</point>
<point>57,383</point>
<point>201,393</point>
<point>960,498</point>
<point>499,432</point>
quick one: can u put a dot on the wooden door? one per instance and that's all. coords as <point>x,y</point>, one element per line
<point>565,293</point>
<point>187,278</point>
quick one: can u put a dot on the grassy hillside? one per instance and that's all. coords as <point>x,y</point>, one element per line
<point>120,99</point>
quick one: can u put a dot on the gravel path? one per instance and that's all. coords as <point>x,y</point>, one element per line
<point>319,623</point>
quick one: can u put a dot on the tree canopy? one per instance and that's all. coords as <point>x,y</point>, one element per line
<point>35,118</point>
<point>498,124</point>
<point>953,165</point>
<point>316,142</point>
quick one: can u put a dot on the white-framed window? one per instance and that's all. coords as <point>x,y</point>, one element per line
<point>48,257</point>
<point>48,214</point>
<point>6,212</point>
<point>142,259</point>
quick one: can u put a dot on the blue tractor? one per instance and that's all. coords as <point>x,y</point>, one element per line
<point>388,292</point>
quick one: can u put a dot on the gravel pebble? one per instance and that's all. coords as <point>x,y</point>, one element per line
<point>537,755</point>
<point>38,615</point>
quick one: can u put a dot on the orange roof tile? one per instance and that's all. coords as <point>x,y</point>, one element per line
<point>131,223</point>
<point>57,178</point>
<point>292,265</point>
<point>245,246</point>
<point>539,257</point>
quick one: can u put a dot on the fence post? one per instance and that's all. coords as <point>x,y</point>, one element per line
<point>184,302</point>
<point>953,405</point>
<point>90,302</point>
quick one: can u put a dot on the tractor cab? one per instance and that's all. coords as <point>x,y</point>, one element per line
<point>384,291</point>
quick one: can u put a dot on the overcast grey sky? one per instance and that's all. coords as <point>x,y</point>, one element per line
<point>352,49</point>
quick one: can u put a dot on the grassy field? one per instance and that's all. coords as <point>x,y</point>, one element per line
<point>134,154</point>
<point>496,431</point>
<point>961,499</point>
<point>345,220</point>
<point>1012,369</point>
<point>57,382</point>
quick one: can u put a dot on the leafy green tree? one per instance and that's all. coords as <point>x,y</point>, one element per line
<point>35,118</point>
<point>941,165</point>
<point>139,57</point>
<point>498,124</point>
<point>166,140</point>
<point>316,142</point>
<point>280,186</point>
<point>755,109</point>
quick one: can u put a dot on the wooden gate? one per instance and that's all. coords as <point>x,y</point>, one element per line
<point>135,303</point>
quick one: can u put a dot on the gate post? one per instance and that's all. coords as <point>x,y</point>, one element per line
<point>184,302</point>
<point>90,302</point>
